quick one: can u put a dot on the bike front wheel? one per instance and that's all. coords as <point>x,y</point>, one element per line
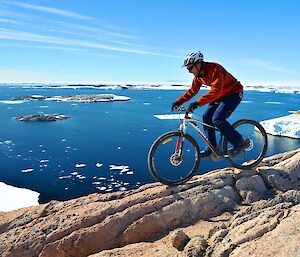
<point>257,143</point>
<point>174,158</point>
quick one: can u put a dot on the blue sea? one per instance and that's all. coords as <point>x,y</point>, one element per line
<point>103,147</point>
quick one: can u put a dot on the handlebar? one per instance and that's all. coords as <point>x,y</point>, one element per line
<point>183,109</point>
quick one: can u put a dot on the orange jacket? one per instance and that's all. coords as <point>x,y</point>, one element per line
<point>222,84</point>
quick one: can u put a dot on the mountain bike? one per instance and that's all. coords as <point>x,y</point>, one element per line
<point>175,157</point>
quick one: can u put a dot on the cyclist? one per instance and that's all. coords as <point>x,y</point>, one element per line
<point>224,96</point>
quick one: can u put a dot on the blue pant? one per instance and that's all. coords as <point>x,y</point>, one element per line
<point>216,115</point>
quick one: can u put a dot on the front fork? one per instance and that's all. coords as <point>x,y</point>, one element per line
<point>180,141</point>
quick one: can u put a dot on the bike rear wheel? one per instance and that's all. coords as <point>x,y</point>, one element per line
<point>169,167</point>
<point>257,144</point>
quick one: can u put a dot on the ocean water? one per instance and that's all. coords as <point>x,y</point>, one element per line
<point>103,147</point>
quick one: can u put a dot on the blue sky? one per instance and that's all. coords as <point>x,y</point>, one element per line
<point>90,41</point>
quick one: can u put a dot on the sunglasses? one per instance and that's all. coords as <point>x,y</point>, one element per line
<point>190,67</point>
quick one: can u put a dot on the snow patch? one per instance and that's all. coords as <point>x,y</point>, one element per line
<point>288,126</point>
<point>16,198</point>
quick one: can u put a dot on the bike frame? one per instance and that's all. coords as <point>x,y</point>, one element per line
<point>187,120</point>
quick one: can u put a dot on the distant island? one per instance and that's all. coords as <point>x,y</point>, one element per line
<point>85,98</point>
<point>176,85</point>
<point>42,117</point>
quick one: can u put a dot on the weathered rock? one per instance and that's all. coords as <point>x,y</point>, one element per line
<point>284,175</point>
<point>141,222</point>
<point>179,240</point>
<point>254,223</point>
<point>252,188</point>
<point>195,247</point>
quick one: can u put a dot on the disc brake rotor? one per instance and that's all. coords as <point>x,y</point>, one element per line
<point>175,160</point>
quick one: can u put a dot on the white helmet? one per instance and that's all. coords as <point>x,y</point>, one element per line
<point>192,58</point>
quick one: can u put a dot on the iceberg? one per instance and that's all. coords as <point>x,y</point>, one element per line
<point>16,198</point>
<point>170,116</point>
<point>287,126</point>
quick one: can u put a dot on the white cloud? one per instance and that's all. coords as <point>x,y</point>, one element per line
<point>266,65</point>
<point>33,37</point>
<point>51,10</point>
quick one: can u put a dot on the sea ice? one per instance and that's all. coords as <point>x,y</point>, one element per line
<point>116,167</point>
<point>6,142</point>
<point>27,170</point>
<point>273,103</point>
<point>16,198</point>
<point>170,116</point>
<point>99,165</point>
<point>288,126</point>
<point>80,165</point>
<point>64,177</point>
<point>12,102</point>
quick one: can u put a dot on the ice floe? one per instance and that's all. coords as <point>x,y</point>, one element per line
<point>80,165</point>
<point>273,103</point>
<point>27,170</point>
<point>288,126</point>
<point>6,142</point>
<point>170,116</point>
<point>12,102</point>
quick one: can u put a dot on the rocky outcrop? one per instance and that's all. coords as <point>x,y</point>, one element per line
<point>226,212</point>
<point>42,117</point>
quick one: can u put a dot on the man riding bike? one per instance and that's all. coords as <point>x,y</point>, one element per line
<point>224,96</point>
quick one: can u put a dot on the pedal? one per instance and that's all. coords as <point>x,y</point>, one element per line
<point>215,158</point>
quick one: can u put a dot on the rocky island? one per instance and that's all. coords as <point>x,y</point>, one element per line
<point>42,117</point>
<point>84,98</point>
<point>226,212</point>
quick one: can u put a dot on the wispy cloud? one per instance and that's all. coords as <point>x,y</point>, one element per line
<point>59,33</point>
<point>266,65</point>
<point>51,10</point>
<point>33,37</point>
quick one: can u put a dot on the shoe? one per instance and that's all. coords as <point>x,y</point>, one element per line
<point>205,153</point>
<point>234,151</point>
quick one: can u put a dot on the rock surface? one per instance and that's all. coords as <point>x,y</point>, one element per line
<point>42,117</point>
<point>226,212</point>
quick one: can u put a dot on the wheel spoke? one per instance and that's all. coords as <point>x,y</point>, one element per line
<point>256,138</point>
<point>167,165</point>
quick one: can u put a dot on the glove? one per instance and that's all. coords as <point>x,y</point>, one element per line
<point>174,105</point>
<point>193,106</point>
